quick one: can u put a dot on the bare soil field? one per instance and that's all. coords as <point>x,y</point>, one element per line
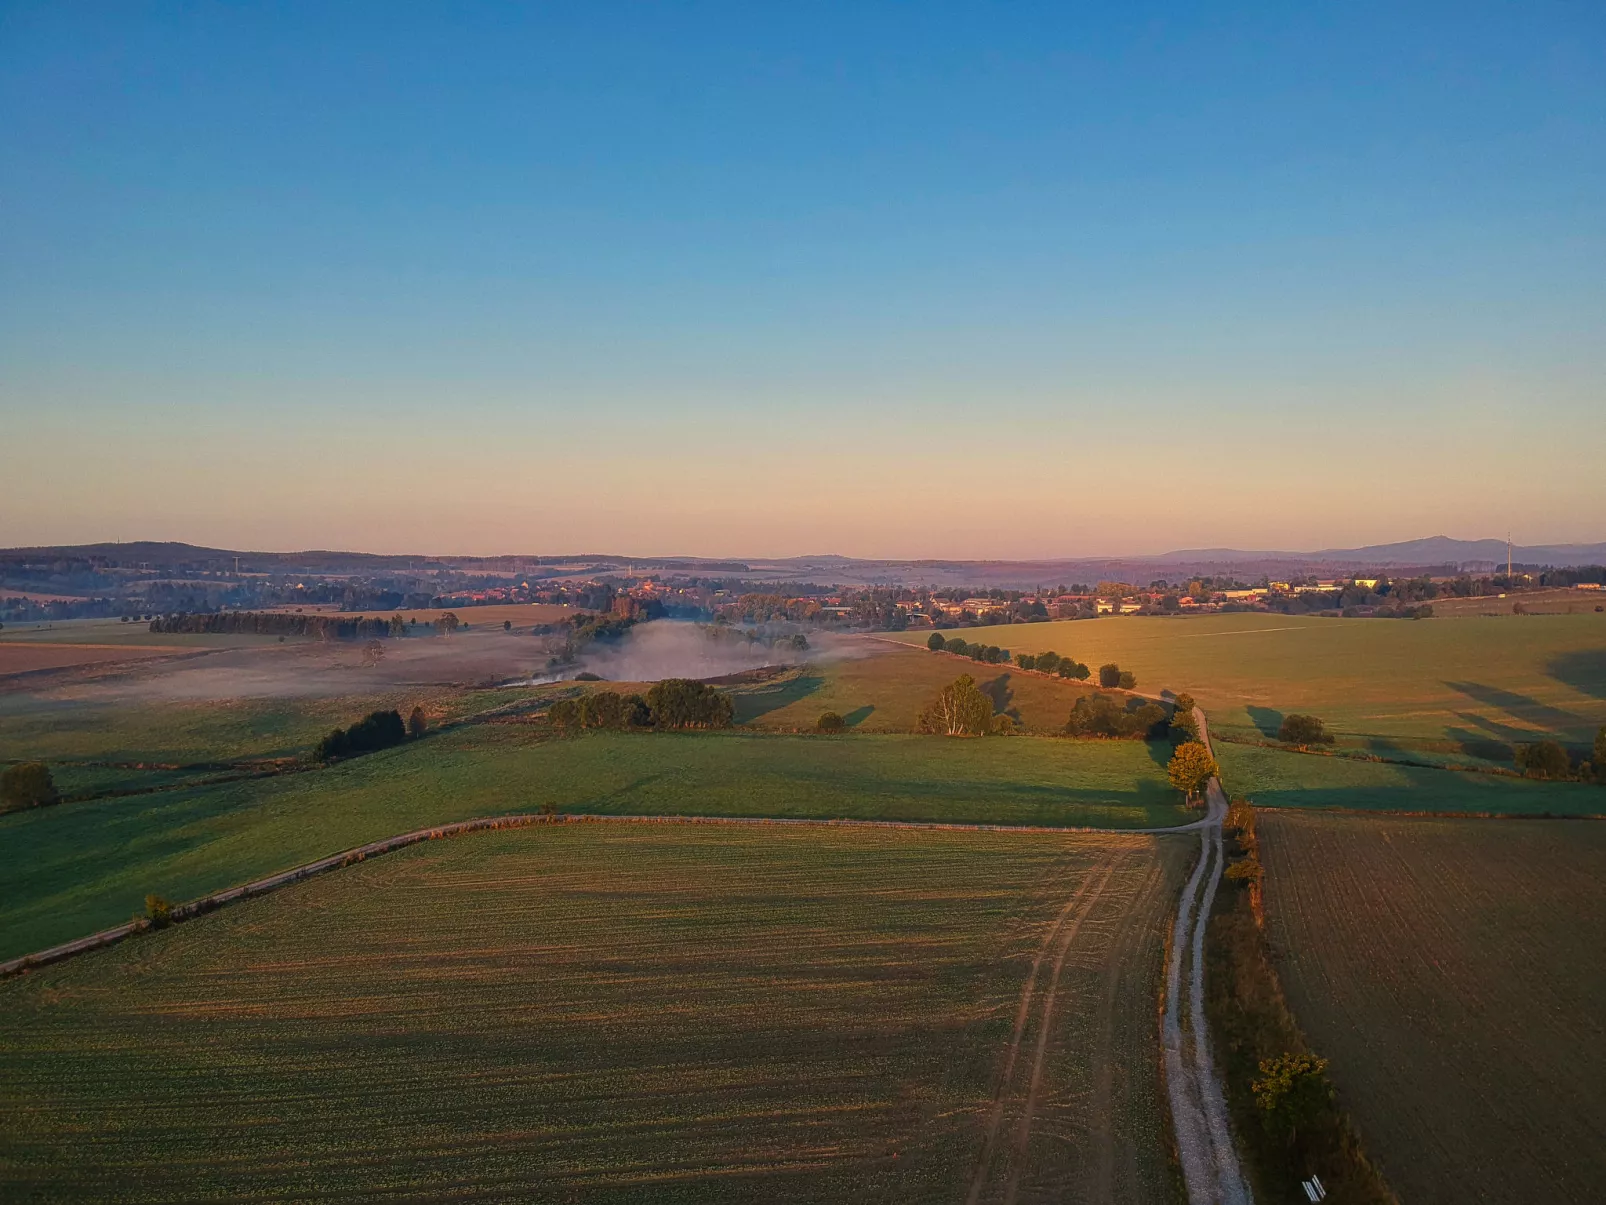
<point>518,614</point>
<point>1452,971</point>
<point>27,658</point>
<point>587,1013</point>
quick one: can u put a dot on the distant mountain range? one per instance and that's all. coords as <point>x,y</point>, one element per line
<point>1438,554</point>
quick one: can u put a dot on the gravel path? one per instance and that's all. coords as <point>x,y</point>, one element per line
<point>1198,1107</point>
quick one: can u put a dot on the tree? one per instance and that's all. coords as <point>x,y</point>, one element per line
<point>1071,668</point>
<point>961,709</point>
<point>1110,676</point>
<point>1048,662</point>
<point>417,723</point>
<point>507,625</point>
<point>1184,725</point>
<point>1191,768</point>
<point>830,721</point>
<point>1107,716</point>
<point>448,623</point>
<point>1128,680</point>
<point>1600,753</point>
<point>1303,730</point>
<point>956,644</point>
<point>1026,660</point>
<point>372,653</point>
<point>27,785</point>
<point>1544,759</point>
<point>935,642</point>
<point>683,703</point>
<point>604,709</point>
<point>1291,1092</point>
<point>565,713</point>
<point>158,911</point>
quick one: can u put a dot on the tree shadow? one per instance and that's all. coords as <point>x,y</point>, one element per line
<point>752,704</point>
<point>1267,719</point>
<point>1520,707</point>
<point>858,715</point>
<point>1480,745</point>
<point>1584,670</point>
<point>1002,695</point>
<point>1160,752</point>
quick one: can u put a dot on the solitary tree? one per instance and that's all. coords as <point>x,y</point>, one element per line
<point>507,625</point>
<point>373,653</point>
<point>27,785</point>
<point>1303,730</point>
<point>959,710</point>
<point>1191,768</point>
<point>935,642</point>
<point>830,721</point>
<point>1290,1093</point>
<point>417,723</point>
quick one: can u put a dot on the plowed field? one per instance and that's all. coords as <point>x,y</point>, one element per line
<point>589,1013</point>
<point>1453,971</point>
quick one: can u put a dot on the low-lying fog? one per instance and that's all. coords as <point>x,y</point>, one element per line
<point>300,668</point>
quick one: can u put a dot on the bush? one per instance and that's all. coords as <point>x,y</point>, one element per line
<point>830,721</point>
<point>588,676</point>
<point>1069,668</point>
<point>28,785</point>
<point>1128,680</point>
<point>565,713</point>
<point>1048,663</point>
<point>956,644</point>
<point>417,724</point>
<point>1026,660</point>
<point>377,730</point>
<point>1107,716</point>
<point>1292,1093</point>
<point>1304,730</point>
<point>1110,675</point>
<point>683,703</point>
<point>158,911</point>
<point>1544,759</point>
<point>935,642</point>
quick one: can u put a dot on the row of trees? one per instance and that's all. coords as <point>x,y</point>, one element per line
<point>1550,759</point>
<point>377,730</point>
<point>991,654</point>
<point>1109,716</point>
<point>289,623</point>
<point>674,703</point>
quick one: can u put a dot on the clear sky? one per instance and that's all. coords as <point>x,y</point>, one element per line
<point>879,279</point>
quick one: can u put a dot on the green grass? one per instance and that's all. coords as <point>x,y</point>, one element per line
<point>593,1014</point>
<point>1279,778</point>
<point>1462,687</point>
<point>76,868</point>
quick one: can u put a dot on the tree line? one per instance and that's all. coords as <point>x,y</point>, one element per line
<point>284,623</point>
<point>377,730</point>
<point>991,654</point>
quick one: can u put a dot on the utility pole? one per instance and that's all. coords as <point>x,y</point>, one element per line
<point>1508,558</point>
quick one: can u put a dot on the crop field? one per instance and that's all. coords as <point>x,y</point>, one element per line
<point>30,657</point>
<point>1279,778</point>
<point>79,867</point>
<point>492,615</point>
<point>883,687</point>
<point>1466,687</point>
<point>1452,971</point>
<point>598,1013</point>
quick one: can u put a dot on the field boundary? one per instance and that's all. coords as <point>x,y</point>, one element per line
<point>210,903</point>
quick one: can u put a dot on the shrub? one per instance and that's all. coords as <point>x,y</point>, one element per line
<point>1047,663</point>
<point>1304,730</point>
<point>565,713</point>
<point>1128,680</point>
<point>1544,759</point>
<point>158,911</point>
<point>1026,660</point>
<point>830,721</point>
<point>956,644</point>
<point>935,642</point>
<point>588,676</point>
<point>1191,768</point>
<point>417,724</point>
<point>604,709</point>
<point>1069,668</point>
<point>961,709</point>
<point>27,785</point>
<point>1110,676</point>
<point>1244,872</point>
<point>1004,725</point>
<point>1107,716</point>
<point>683,703</point>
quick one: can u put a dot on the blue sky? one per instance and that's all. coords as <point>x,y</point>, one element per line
<point>880,279</point>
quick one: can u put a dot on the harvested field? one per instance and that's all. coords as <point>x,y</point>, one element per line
<point>520,615</point>
<point>1452,970</point>
<point>887,686</point>
<point>1465,687</point>
<point>80,867</point>
<point>596,1014</point>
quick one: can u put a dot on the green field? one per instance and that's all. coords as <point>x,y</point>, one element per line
<point>1452,972</point>
<point>1282,778</point>
<point>79,867</point>
<point>1467,687</point>
<point>597,1013</point>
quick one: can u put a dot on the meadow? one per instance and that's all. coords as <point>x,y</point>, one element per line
<point>597,1013</point>
<point>1452,971</point>
<point>79,867</point>
<point>1467,687</point>
<point>1282,778</point>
